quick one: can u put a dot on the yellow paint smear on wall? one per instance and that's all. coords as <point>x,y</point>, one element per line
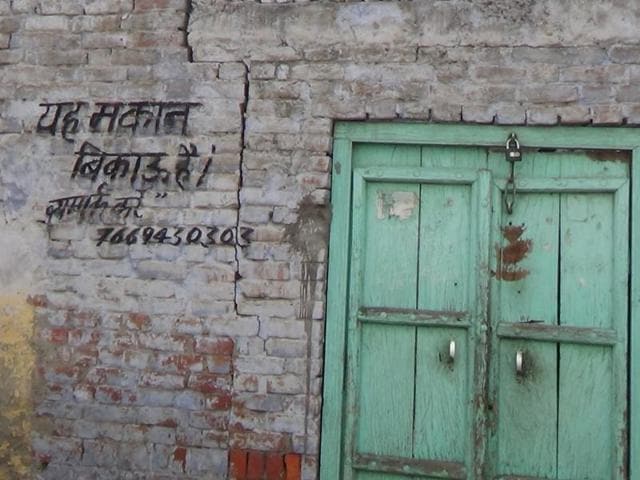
<point>17,361</point>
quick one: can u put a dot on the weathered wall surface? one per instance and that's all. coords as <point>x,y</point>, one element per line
<point>164,182</point>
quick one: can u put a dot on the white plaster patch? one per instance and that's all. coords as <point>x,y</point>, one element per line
<point>368,15</point>
<point>395,204</point>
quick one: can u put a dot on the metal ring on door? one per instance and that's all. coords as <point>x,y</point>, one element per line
<point>452,350</point>
<point>519,362</point>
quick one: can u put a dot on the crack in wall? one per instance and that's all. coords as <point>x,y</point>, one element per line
<point>188,10</point>
<point>243,143</point>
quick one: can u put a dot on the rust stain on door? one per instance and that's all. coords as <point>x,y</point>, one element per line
<point>510,255</point>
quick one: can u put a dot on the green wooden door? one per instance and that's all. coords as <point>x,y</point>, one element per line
<point>482,344</point>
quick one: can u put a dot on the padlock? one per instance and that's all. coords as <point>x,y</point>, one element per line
<point>512,147</point>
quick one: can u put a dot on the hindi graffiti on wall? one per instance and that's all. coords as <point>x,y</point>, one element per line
<point>135,118</point>
<point>141,172</point>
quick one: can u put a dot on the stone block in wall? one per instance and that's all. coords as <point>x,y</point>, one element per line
<point>95,7</point>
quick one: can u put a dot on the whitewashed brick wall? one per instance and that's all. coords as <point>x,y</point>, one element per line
<point>155,361</point>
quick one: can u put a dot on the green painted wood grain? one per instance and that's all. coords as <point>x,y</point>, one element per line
<point>634,300</point>
<point>495,135</point>
<point>586,418</point>
<point>442,395</point>
<point>390,260</point>
<point>525,286</point>
<point>446,247</point>
<point>386,155</point>
<point>336,317</point>
<point>387,369</point>
<point>586,293</point>
<point>442,384</point>
<point>381,275</point>
<point>527,422</point>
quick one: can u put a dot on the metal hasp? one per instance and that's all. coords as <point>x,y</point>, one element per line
<point>513,154</point>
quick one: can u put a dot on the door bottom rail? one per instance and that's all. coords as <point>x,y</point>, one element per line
<point>410,466</point>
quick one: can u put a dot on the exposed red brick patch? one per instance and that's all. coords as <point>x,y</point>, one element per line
<point>67,370</point>
<point>81,319</point>
<point>169,422</point>
<point>237,464</point>
<point>140,320</point>
<point>37,300</point>
<point>180,456</point>
<point>248,464</point>
<point>220,402</point>
<point>215,346</point>
<point>255,466</point>
<point>274,466</point>
<point>293,466</point>
<point>59,335</point>
<point>183,362</point>
<point>114,394</point>
<point>208,383</point>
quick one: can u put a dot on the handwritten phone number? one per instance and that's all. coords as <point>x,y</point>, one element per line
<point>175,236</point>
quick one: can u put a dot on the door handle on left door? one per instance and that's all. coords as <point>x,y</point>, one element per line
<point>452,350</point>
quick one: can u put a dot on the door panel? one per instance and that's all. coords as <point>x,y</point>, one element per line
<point>445,247</point>
<point>385,420</point>
<point>526,409</point>
<point>526,250</point>
<point>390,273</point>
<point>587,259</point>
<point>415,287</point>
<point>441,409</point>
<point>586,417</point>
<point>445,263</point>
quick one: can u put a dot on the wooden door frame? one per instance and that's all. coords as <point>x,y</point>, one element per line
<point>348,133</point>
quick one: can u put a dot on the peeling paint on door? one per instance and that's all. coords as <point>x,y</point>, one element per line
<point>395,204</point>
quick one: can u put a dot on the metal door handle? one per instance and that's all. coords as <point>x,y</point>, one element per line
<point>452,350</point>
<point>519,361</point>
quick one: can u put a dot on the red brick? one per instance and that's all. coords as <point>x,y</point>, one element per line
<point>37,300</point>
<point>220,364</point>
<point>183,362</point>
<point>209,383</point>
<point>82,319</point>
<point>293,466</point>
<point>59,335</point>
<point>237,464</point>
<point>180,456</point>
<point>220,402</point>
<point>274,467</point>
<point>105,392</point>
<point>215,346</point>
<point>140,320</point>
<point>255,466</point>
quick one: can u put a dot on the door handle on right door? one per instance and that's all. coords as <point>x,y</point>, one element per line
<point>519,362</point>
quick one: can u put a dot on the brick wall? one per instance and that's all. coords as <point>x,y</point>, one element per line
<point>204,359</point>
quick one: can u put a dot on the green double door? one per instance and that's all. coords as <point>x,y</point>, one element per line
<point>481,343</point>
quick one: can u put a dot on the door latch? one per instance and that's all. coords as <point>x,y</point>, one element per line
<point>513,154</point>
